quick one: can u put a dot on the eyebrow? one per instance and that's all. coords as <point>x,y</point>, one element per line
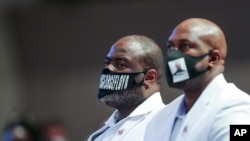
<point>117,59</point>
<point>184,40</point>
<point>181,41</point>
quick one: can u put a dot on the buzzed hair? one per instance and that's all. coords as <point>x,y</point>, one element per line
<point>152,57</point>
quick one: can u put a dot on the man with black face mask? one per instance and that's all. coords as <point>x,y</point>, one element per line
<point>130,82</point>
<point>209,104</point>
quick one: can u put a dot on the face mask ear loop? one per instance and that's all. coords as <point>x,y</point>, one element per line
<point>144,73</point>
<point>211,51</point>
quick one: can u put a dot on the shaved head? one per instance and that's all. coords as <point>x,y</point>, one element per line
<point>209,32</point>
<point>197,37</point>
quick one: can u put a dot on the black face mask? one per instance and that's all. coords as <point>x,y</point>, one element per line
<point>111,82</point>
<point>181,67</point>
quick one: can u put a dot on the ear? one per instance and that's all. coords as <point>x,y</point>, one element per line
<point>150,77</point>
<point>214,58</point>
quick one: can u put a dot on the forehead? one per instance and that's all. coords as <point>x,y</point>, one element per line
<point>186,33</point>
<point>130,51</point>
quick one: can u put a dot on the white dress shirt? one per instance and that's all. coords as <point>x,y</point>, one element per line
<point>132,127</point>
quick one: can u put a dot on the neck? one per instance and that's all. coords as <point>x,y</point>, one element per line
<point>190,99</point>
<point>193,92</point>
<point>192,95</point>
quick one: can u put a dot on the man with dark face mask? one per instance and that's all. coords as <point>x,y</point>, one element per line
<point>209,104</point>
<point>130,82</point>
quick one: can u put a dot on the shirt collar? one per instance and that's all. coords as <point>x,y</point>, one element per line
<point>212,89</point>
<point>151,103</point>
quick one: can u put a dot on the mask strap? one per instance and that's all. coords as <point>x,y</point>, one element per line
<point>210,51</point>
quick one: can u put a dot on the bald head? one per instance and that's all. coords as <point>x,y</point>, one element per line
<point>209,32</point>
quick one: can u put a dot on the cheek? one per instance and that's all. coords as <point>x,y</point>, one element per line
<point>139,78</point>
<point>203,64</point>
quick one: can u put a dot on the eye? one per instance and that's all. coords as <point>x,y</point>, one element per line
<point>121,65</point>
<point>184,47</point>
<point>170,47</point>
